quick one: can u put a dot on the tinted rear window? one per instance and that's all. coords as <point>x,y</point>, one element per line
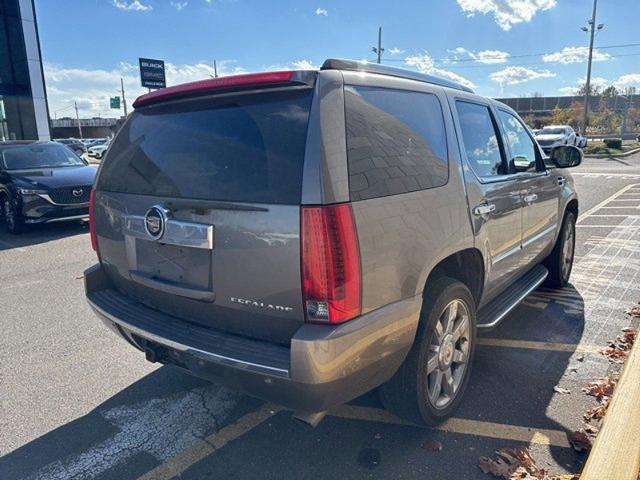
<point>396,142</point>
<point>246,148</point>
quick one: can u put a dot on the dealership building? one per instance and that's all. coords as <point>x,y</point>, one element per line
<point>23,102</point>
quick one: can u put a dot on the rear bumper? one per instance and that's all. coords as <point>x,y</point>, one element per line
<point>324,366</point>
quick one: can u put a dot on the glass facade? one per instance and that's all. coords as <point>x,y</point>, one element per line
<point>23,114</point>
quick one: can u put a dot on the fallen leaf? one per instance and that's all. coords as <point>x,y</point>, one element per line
<point>558,389</point>
<point>580,358</point>
<point>580,441</point>
<point>432,446</point>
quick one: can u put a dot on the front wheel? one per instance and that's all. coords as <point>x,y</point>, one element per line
<point>429,385</point>
<point>12,217</point>
<point>560,262</point>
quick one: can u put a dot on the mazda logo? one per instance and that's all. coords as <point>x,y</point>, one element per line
<point>154,222</point>
<point>77,192</point>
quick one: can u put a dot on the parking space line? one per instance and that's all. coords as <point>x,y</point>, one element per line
<point>592,210</point>
<point>529,345</point>
<point>203,448</point>
<point>464,426</point>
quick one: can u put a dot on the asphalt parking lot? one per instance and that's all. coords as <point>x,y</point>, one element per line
<point>77,402</point>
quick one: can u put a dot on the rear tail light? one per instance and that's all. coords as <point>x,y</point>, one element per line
<point>92,223</point>
<point>331,277</point>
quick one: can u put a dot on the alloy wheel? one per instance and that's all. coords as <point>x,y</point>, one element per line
<point>448,355</point>
<point>9,214</point>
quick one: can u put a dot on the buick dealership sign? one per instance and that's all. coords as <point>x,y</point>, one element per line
<point>152,73</point>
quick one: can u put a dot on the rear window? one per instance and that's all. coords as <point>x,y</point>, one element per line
<point>245,148</point>
<point>396,142</point>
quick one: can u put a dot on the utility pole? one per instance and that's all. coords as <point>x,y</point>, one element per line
<point>592,30</point>
<point>215,69</point>
<point>379,50</point>
<point>124,101</point>
<point>75,104</point>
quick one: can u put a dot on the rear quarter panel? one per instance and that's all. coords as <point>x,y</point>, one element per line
<point>402,237</point>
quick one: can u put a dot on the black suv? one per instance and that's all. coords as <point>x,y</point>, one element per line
<point>42,182</point>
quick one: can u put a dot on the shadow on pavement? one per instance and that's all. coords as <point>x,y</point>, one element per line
<point>165,412</point>
<point>37,234</point>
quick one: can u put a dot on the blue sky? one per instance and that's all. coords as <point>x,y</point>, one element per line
<point>494,45</point>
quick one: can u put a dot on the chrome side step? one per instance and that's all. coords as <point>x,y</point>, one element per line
<point>494,312</point>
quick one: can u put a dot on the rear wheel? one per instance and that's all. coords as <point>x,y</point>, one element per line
<point>12,217</point>
<point>430,383</point>
<point>560,262</point>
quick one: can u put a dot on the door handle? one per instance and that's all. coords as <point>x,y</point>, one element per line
<point>484,208</point>
<point>561,181</point>
<point>532,197</point>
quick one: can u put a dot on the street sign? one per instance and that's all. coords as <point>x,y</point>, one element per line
<point>152,73</point>
<point>114,102</point>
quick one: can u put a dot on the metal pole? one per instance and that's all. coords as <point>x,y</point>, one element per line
<point>124,101</point>
<point>588,83</point>
<point>379,44</point>
<point>75,104</point>
<point>215,69</point>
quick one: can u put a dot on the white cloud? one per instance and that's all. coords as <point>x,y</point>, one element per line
<point>507,12</point>
<point>322,12</point>
<point>304,65</point>
<point>135,6</point>
<point>424,64</point>
<point>514,75</point>
<point>569,91</point>
<point>484,56</point>
<point>575,55</point>
<point>629,80</point>
<point>395,51</point>
<point>179,5</point>
<point>91,89</point>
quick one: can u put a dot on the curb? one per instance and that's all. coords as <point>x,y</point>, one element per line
<point>607,155</point>
<point>616,452</point>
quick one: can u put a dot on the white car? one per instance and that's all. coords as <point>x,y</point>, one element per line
<point>556,135</point>
<point>98,151</point>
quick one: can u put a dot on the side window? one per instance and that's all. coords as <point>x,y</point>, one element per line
<point>396,142</point>
<point>523,150</point>
<point>480,138</point>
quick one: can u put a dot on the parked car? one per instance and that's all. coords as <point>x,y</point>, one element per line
<point>556,135</point>
<point>98,151</point>
<point>323,233</point>
<point>95,141</point>
<point>74,144</point>
<point>42,182</point>
<point>581,140</point>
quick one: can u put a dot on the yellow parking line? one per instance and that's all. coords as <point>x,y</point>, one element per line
<point>553,346</point>
<point>464,426</point>
<point>203,448</point>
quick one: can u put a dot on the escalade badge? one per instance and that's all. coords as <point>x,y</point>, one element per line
<point>154,222</point>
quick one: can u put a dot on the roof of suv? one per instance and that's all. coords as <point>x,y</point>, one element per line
<point>286,77</point>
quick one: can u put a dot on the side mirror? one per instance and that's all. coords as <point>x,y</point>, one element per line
<point>566,156</point>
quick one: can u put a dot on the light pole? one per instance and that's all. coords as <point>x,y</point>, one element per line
<point>587,90</point>
<point>379,50</point>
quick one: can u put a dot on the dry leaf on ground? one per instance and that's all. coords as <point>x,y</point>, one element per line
<point>581,441</point>
<point>432,446</point>
<point>517,464</point>
<point>558,389</point>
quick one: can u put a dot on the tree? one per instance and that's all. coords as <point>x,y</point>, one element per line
<point>568,116</point>
<point>594,90</point>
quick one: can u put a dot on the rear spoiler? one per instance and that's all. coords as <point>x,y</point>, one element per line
<point>223,83</point>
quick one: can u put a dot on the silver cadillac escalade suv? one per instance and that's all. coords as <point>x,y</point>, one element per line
<point>308,236</point>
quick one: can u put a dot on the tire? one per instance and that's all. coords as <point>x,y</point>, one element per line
<point>12,218</point>
<point>410,392</point>
<point>560,261</point>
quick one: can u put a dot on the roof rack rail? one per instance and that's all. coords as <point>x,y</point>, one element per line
<point>340,64</point>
